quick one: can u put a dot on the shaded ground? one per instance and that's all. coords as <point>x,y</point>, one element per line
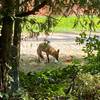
<point>64,42</point>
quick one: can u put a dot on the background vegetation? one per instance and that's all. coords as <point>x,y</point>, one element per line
<point>63,24</point>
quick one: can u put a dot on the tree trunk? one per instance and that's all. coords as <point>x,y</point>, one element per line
<point>5,45</point>
<point>16,54</point>
<point>16,50</point>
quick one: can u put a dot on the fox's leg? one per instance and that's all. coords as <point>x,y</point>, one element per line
<point>47,57</point>
<point>39,54</point>
<point>38,59</point>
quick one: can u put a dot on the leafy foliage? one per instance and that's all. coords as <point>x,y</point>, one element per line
<point>70,82</point>
<point>48,83</point>
<point>60,24</point>
<point>92,46</point>
<point>36,24</point>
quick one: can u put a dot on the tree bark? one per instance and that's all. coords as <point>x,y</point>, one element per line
<point>15,51</point>
<point>5,45</point>
<point>16,54</point>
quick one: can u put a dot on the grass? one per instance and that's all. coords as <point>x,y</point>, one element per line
<point>65,24</point>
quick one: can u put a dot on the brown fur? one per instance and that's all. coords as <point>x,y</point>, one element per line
<point>45,47</point>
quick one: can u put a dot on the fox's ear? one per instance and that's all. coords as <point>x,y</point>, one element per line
<point>58,50</point>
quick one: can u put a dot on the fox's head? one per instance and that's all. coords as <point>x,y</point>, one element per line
<point>56,54</point>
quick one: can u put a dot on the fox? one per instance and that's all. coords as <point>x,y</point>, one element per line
<point>48,49</point>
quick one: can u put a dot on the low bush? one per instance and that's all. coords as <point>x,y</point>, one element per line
<point>71,82</point>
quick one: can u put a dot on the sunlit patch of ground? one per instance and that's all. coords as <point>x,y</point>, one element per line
<point>30,63</point>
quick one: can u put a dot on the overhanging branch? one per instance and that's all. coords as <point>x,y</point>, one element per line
<point>32,12</point>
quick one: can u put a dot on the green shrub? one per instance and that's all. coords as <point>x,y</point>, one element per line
<point>71,82</point>
<point>48,83</point>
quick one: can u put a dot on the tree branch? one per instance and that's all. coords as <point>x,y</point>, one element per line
<point>32,12</point>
